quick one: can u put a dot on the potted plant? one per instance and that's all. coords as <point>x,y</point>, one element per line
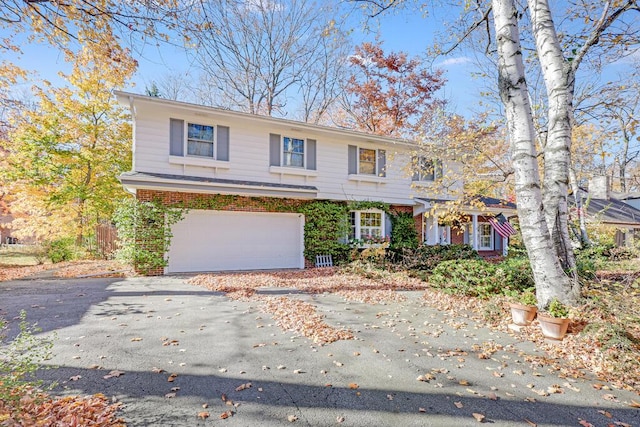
<point>523,309</point>
<point>554,322</point>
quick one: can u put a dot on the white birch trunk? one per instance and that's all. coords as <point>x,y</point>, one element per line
<point>559,78</point>
<point>548,274</point>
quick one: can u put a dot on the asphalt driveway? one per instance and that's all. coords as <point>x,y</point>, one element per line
<point>146,329</point>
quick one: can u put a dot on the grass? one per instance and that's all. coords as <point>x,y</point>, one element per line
<point>19,255</point>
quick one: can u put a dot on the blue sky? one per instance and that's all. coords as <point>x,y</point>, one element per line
<point>400,31</point>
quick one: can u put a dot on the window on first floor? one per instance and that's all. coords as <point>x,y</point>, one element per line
<point>485,236</point>
<point>367,226</point>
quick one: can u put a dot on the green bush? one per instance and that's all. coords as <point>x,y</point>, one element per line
<point>403,232</point>
<point>470,277</point>
<point>61,250</point>
<point>20,359</point>
<point>516,274</point>
<point>427,257</point>
<point>324,228</point>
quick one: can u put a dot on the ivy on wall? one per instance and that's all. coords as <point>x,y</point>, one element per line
<point>144,232</point>
<point>144,227</point>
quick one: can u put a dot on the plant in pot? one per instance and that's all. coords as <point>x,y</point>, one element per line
<point>554,322</point>
<point>523,308</point>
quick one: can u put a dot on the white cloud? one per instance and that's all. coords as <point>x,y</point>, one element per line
<point>461,60</point>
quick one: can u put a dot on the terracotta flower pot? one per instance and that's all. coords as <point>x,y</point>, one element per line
<point>553,327</point>
<point>522,315</point>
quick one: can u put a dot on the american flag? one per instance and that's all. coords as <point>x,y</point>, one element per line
<point>502,226</point>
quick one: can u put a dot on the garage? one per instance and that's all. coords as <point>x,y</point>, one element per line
<point>221,241</point>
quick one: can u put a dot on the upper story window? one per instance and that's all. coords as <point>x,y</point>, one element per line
<point>367,161</point>
<point>198,140</point>
<point>427,169</point>
<point>292,152</point>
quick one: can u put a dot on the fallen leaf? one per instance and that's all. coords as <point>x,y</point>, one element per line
<point>605,413</point>
<point>157,370</point>
<point>459,405</point>
<point>298,371</point>
<point>114,373</point>
<point>75,378</point>
<point>281,367</point>
<point>353,386</point>
<point>492,396</point>
<point>531,423</point>
<point>172,377</point>
<point>135,339</point>
<point>292,418</point>
<point>223,397</point>
<point>634,404</point>
<point>585,423</point>
<point>422,410</point>
<point>226,415</point>
<point>463,382</point>
<point>340,419</point>
<point>479,417</point>
<point>170,395</point>
<point>175,388</point>
<point>204,415</point>
<point>243,386</point>
<point>610,397</point>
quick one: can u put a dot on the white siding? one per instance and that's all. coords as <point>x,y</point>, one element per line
<point>249,155</point>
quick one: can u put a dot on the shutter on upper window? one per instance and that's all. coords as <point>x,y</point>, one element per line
<point>176,137</point>
<point>223,143</point>
<point>311,154</point>
<point>382,163</point>
<point>353,159</point>
<point>415,165</point>
<point>274,149</point>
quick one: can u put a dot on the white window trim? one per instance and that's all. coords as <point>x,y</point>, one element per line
<point>304,154</point>
<point>358,231</point>
<point>292,170</point>
<point>186,141</point>
<point>198,161</point>
<point>491,242</point>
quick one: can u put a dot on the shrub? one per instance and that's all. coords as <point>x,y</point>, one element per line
<point>60,250</point>
<point>516,274</point>
<point>474,278</point>
<point>403,232</point>
<point>324,228</point>
<point>426,257</point>
<point>20,359</point>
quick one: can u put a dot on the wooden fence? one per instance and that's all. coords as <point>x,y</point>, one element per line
<point>106,240</point>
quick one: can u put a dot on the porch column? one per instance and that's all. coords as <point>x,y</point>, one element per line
<point>475,231</point>
<point>505,246</point>
<point>434,230</point>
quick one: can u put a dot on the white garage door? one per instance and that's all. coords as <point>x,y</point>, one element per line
<point>218,241</point>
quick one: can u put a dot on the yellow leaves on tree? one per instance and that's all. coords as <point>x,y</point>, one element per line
<point>63,154</point>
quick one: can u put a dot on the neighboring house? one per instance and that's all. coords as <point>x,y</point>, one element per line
<point>609,208</point>
<point>249,173</point>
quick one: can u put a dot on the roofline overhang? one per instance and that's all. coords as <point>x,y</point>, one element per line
<point>133,183</point>
<point>127,99</point>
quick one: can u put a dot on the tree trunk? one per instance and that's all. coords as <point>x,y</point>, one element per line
<point>548,274</point>
<point>559,78</point>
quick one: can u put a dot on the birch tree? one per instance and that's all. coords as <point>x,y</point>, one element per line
<point>542,192</point>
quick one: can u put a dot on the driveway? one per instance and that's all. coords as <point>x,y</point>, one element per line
<point>147,329</point>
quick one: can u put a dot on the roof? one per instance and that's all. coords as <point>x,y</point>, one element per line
<point>613,211</point>
<point>127,99</point>
<point>182,183</point>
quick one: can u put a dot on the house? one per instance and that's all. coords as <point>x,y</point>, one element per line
<point>246,177</point>
<point>620,211</point>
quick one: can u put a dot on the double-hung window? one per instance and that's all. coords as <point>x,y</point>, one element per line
<point>293,152</point>
<point>287,151</point>
<point>367,227</point>
<point>200,141</point>
<point>367,161</point>
<point>426,169</point>
<point>485,236</point>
